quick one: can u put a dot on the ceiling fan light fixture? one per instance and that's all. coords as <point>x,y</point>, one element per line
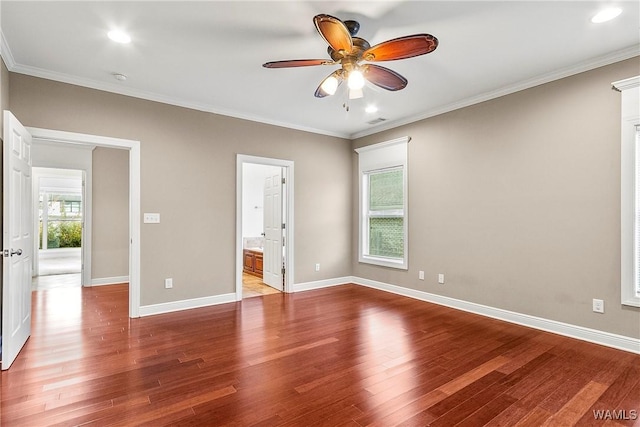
<point>356,80</point>
<point>606,15</point>
<point>330,85</point>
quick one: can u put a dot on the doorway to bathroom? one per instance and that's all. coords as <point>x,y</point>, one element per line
<point>264,226</point>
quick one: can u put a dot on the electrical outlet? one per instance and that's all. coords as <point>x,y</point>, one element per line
<point>441,278</point>
<point>318,267</point>
<point>168,283</point>
<point>598,305</point>
<point>421,275</point>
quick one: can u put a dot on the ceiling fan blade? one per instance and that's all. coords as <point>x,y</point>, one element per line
<point>401,48</point>
<point>327,90</point>
<point>297,63</point>
<point>334,32</point>
<point>384,77</point>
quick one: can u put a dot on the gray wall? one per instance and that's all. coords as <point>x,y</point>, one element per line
<point>110,213</point>
<point>188,162</point>
<point>517,202</point>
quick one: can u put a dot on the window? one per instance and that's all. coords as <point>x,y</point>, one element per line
<point>630,191</point>
<point>383,203</point>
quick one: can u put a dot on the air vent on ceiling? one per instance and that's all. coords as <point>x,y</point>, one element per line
<point>376,121</point>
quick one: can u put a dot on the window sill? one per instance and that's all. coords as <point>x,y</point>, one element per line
<point>384,262</point>
<point>631,302</point>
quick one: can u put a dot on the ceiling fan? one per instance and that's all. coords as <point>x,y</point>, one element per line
<point>349,51</point>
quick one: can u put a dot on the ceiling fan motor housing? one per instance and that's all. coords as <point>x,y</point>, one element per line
<point>352,26</point>
<point>359,46</point>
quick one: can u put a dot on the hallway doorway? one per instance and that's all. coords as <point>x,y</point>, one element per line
<point>59,216</point>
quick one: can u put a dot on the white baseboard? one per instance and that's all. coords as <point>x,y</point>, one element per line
<point>318,284</point>
<point>585,334</point>
<point>168,307</point>
<point>101,281</point>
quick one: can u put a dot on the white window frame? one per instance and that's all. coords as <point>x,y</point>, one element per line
<point>373,158</point>
<point>629,190</point>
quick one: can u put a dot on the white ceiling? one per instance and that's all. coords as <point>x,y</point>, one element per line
<point>207,55</point>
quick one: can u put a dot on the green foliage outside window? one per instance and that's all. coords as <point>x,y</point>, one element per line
<point>64,224</point>
<point>63,234</point>
<point>386,237</point>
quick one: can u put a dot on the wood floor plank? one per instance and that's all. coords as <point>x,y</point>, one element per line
<point>535,418</point>
<point>469,377</point>
<point>575,408</point>
<point>341,356</point>
<point>421,396</point>
<point>470,406</point>
<point>407,410</point>
<point>488,412</point>
<point>464,394</point>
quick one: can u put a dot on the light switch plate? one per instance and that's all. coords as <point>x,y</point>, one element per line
<point>151,218</point>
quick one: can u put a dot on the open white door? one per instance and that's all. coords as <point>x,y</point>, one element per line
<point>17,239</point>
<point>272,266</point>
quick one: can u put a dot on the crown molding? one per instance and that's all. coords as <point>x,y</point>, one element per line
<point>594,63</point>
<point>6,53</point>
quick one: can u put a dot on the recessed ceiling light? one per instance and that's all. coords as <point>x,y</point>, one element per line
<point>119,36</point>
<point>371,109</point>
<point>606,15</point>
<point>119,76</point>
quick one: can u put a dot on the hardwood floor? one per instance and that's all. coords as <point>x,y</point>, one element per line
<point>342,356</point>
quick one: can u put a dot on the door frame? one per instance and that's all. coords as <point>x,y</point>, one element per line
<point>288,216</point>
<point>134,195</point>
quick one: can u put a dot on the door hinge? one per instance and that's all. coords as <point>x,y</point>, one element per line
<point>284,180</point>
<point>283,271</point>
<point>283,225</point>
